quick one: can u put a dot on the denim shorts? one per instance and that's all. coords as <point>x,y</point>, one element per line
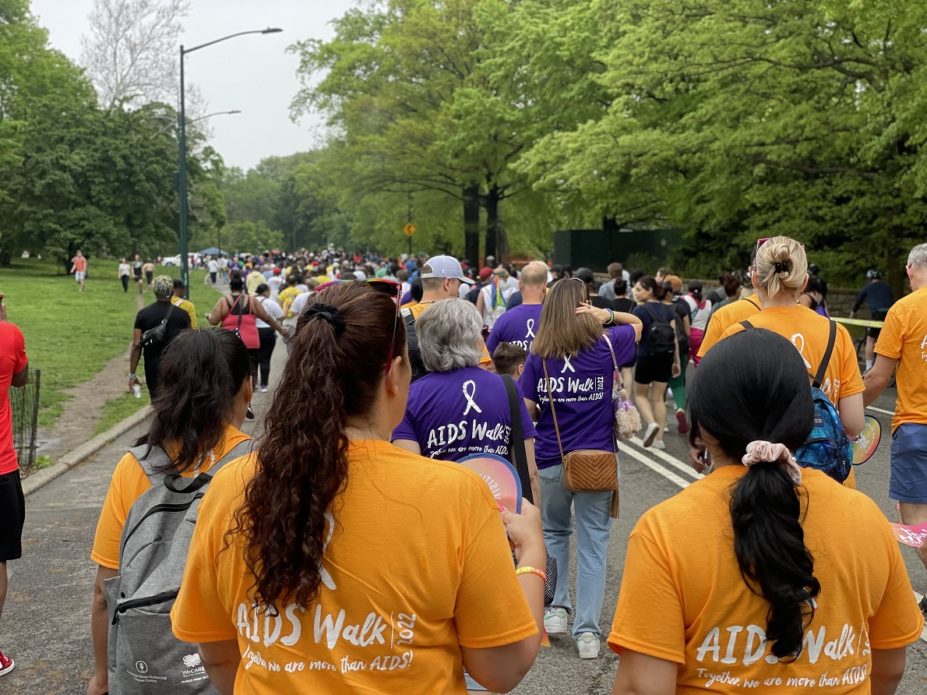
<point>908,480</point>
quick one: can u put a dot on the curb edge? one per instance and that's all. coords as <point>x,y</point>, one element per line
<point>41,478</point>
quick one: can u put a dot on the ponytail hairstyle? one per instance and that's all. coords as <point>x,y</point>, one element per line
<point>345,341</point>
<point>751,387</point>
<point>200,374</point>
<point>658,288</point>
<point>695,289</point>
<point>781,266</point>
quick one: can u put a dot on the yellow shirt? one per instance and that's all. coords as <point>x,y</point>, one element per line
<point>904,338</point>
<point>128,483</point>
<point>418,566</point>
<point>687,603</point>
<point>724,318</point>
<point>809,332</point>
<point>255,278</point>
<point>287,295</point>
<point>187,306</point>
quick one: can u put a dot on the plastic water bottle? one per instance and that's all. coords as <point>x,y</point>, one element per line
<point>137,390</point>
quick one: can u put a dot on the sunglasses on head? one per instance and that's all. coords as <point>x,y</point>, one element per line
<point>391,288</point>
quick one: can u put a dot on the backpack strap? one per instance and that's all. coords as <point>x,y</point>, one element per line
<point>153,461</point>
<point>822,368</point>
<point>517,452</point>
<point>746,324</point>
<point>155,466</point>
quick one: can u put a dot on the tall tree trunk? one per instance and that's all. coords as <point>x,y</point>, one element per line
<point>496,243</point>
<point>471,213</point>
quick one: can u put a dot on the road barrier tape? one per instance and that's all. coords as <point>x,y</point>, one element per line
<point>858,322</point>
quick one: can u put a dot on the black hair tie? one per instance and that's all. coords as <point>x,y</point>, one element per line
<point>330,314</point>
<point>782,266</point>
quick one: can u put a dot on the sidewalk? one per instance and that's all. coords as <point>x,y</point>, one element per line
<point>45,626</point>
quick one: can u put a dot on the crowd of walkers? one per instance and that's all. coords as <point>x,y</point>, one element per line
<point>347,550</point>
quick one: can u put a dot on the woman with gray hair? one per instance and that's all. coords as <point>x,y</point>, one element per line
<point>458,408</point>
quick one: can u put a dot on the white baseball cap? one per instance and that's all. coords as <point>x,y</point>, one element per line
<point>444,267</point>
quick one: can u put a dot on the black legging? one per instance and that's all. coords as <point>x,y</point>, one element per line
<point>125,282</point>
<point>268,341</point>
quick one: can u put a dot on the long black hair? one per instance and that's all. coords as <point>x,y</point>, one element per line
<point>754,386</point>
<point>199,375</point>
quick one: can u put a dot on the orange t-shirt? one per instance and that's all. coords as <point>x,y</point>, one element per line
<point>129,482</point>
<point>724,318</point>
<point>904,338</point>
<point>808,331</point>
<point>417,565</point>
<point>687,603</point>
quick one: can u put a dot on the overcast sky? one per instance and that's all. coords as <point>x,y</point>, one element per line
<point>252,73</point>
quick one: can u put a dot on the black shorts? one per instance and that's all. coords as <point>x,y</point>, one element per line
<point>652,368</point>
<point>876,316</point>
<point>12,517</point>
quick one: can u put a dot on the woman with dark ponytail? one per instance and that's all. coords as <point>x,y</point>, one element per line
<point>335,562</point>
<point>203,397</point>
<point>794,581</point>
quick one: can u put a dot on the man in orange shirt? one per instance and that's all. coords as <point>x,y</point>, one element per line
<point>903,346</point>
<point>79,268</point>
<point>14,370</point>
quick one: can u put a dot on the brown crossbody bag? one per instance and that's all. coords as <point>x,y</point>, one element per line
<point>585,470</point>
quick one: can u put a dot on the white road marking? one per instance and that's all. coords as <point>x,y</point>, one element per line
<point>879,410</point>
<point>671,460</point>
<point>655,467</point>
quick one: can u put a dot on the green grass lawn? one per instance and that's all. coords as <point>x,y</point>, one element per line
<point>71,335</point>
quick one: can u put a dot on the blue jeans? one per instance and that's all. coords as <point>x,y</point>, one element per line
<point>593,525</point>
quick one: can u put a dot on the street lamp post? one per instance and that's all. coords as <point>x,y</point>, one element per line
<point>182,146</point>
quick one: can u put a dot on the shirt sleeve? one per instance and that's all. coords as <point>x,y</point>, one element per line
<point>19,348</point>
<point>622,339</point>
<point>491,608</point>
<point>891,338</point>
<point>119,499</point>
<point>647,589</point>
<point>493,340</point>
<point>528,382</point>
<point>851,381</point>
<point>199,614</point>
<point>898,621</point>
<point>527,426</point>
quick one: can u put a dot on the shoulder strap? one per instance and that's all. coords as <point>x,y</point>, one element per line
<point>153,463</point>
<point>203,479</point>
<point>517,452</point>
<point>746,324</point>
<point>611,350</point>
<point>553,409</point>
<point>822,368</point>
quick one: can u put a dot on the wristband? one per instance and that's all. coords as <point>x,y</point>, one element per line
<point>132,375</point>
<point>531,570</point>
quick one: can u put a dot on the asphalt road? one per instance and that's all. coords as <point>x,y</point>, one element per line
<point>46,622</point>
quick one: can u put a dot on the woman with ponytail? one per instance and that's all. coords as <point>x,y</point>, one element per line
<point>334,562</point>
<point>794,581</point>
<point>205,389</point>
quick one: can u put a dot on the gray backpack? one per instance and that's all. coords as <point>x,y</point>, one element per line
<point>144,656</point>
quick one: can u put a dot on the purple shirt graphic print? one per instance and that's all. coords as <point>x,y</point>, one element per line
<point>581,385</point>
<point>458,413</point>
<point>518,325</point>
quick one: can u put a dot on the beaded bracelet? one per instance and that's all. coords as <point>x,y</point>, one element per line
<point>531,570</point>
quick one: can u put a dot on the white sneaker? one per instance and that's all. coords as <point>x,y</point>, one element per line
<point>650,433</point>
<point>659,444</point>
<point>555,621</point>
<point>588,645</point>
<point>263,389</point>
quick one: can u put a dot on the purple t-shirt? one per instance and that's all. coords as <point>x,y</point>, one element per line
<point>582,387</point>
<point>518,325</point>
<point>458,413</point>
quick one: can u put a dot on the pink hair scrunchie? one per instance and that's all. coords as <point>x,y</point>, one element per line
<point>767,452</point>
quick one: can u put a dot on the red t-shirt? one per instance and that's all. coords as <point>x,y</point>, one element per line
<point>12,361</point>
<point>80,264</point>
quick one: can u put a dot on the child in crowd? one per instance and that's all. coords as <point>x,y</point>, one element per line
<point>509,359</point>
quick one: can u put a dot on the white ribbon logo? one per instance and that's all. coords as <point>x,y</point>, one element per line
<point>469,391</point>
<point>567,365</point>
<point>798,340</point>
<point>530,333</point>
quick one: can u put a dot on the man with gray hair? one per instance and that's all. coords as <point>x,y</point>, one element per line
<point>155,327</point>
<point>902,350</point>
<point>458,408</point>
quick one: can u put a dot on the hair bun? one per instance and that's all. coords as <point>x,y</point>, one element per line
<point>782,266</point>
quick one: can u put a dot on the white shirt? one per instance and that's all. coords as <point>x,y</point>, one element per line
<point>299,303</point>
<point>124,269</point>
<point>212,266</point>
<point>274,282</point>
<point>273,310</point>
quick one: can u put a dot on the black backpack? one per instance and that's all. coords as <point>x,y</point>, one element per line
<point>661,340</point>
<point>415,354</point>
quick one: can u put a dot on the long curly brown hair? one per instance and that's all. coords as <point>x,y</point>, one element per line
<point>333,372</point>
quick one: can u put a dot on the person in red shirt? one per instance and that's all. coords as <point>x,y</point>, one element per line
<point>79,268</point>
<point>14,370</point>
